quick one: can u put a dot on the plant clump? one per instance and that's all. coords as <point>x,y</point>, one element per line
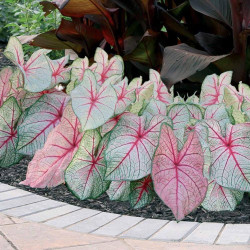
<point>88,126</point>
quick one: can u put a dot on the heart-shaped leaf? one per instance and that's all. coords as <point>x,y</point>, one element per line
<point>60,74</point>
<point>30,98</point>
<point>125,97</point>
<point>193,99</point>
<point>244,90</point>
<point>93,106</point>
<point>233,101</point>
<point>17,85</point>
<point>9,115</point>
<point>136,84</point>
<point>85,174</point>
<point>246,109</point>
<point>106,68</point>
<point>143,94</point>
<point>49,164</point>
<point>178,177</point>
<point>230,155</point>
<point>212,89</point>
<point>39,120</point>
<point>37,73</point>
<point>142,192</point>
<point>219,113</point>
<point>154,108</point>
<point>78,68</point>
<point>110,124</point>
<point>131,146</point>
<point>160,90</point>
<point>181,114</point>
<point>219,198</point>
<point>119,191</point>
<point>5,84</point>
<point>202,133</point>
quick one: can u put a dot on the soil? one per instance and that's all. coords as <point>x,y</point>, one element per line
<point>156,209</point>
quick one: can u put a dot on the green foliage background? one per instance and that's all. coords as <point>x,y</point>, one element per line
<point>26,17</point>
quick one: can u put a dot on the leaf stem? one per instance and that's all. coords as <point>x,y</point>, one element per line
<point>237,25</point>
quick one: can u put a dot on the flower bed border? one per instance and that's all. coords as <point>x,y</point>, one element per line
<point>32,207</point>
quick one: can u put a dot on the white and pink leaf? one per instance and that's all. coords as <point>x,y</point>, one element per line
<point>131,146</point>
<point>178,175</point>
<point>85,174</point>
<point>119,190</point>
<point>230,155</point>
<point>9,115</point>
<point>219,198</point>
<point>36,71</point>
<point>49,164</point>
<point>44,115</point>
<point>160,90</point>
<point>212,89</point>
<point>5,84</point>
<point>141,192</point>
<point>106,68</point>
<point>125,97</point>
<point>60,73</point>
<point>93,105</point>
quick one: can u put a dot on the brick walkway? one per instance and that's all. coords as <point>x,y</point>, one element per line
<point>29,221</point>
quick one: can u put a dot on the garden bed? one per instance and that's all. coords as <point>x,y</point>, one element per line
<point>156,209</point>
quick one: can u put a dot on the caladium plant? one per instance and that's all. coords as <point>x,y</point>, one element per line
<point>36,71</point>
<point>49,163</point>
<point>119,190</point>
<point>5,84</point>
<point>39,120</point>
<point>133,140</point>
<point>131,146</point>
<point>93,105</point>
<point>142,192</point>
<point>85,174</point>
<point>178,175</point>
<point>9,115</point>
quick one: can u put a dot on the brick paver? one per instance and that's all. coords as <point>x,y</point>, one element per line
<point>51,213</point>
<point>118,225</point>
<point>5,220</point>
<point>205,233</point>
<point>37,236</point>
<point>33,208</point>
<point>20,201</point>
<point>5,187</point>
<point>235,234</point>
<point>77,221</point>
<point>72,218</point>
<point>94,222</point>
<point>174,231</point>
<point>13,194</point>
<point>4,244</point>
<point>144,229</point>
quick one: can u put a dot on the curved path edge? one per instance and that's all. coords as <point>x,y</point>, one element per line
<point>26,206</point>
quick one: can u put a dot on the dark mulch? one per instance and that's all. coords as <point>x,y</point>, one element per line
<point>3,60</point>
<point>156,209</point>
